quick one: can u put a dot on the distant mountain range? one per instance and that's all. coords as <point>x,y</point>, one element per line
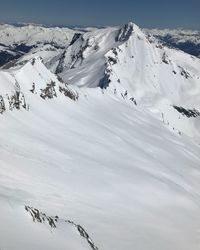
<point>186,40</point>
<point>18,39</point>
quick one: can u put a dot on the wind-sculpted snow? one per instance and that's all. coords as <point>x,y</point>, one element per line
<point>111,142</point>
<point>103,162</point>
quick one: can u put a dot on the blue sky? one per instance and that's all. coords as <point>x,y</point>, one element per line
<point>145,13</point>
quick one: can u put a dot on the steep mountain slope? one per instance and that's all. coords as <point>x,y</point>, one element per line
<point>84,167</point>
<point>160,79</point>
<point>138,67</point>
<point>83,63</point>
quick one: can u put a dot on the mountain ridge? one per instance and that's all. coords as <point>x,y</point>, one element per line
<point>103,131</point>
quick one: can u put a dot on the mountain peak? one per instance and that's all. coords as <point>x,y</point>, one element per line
<point>126,31</point>
<point>122,106</point>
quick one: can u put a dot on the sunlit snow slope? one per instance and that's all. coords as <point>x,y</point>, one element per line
<point>136,66</point>
<point>116,167</point>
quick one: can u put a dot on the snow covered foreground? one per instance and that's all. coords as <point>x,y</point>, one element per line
<point>110,165</point>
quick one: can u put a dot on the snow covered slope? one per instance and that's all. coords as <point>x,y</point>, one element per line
<point>138,67</point>
<point>83,167</point>
<point>83,63</point>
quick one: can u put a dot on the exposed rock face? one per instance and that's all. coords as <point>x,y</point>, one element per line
<point>125,32</point>
<point>52,221</point>
<point>49,91</point>
<point>184,73</point>
<point>165,59</point>
<point>75,37</point>
<point>60,67</point>
<point>41,83</point>
<point>2,105</point>
<point>187,112</point>
<point>104,82</point>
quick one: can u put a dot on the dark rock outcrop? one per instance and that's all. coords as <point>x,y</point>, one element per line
<point>52,221</point>
<point>125,33</point>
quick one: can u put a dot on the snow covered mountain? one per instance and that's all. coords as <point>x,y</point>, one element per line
<point>186,40</point>
<point>33,34</point>
<point>103,151</point>
<point>29,40</point>
<point>136,66</point>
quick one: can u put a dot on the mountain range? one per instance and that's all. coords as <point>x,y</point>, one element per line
<point>100,138</point>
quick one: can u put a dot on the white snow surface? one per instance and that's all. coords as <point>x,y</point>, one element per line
<point>156,76</point>
<point>113,167</point>
<point>32,34</point>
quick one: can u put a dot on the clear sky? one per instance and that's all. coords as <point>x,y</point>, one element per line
<point>145,13</point>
